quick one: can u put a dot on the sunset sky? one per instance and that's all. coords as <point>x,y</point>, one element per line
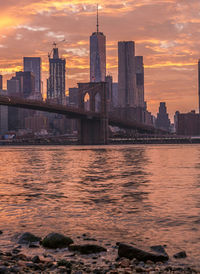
<point>166,33</point>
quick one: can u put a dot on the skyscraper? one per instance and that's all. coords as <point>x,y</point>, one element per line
<point>33,64</point>
<point>139,70</point>
<point>162,120</point>
<point>97,55</point>
<point>127,94</point>
<point>199,83</point>
<point>27,82</point>
<point>56,80</point>
<point>1,82</point>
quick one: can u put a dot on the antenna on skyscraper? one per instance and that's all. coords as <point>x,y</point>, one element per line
<point>97,18</point>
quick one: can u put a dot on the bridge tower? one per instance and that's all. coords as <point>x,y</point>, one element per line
<point>93,97</point>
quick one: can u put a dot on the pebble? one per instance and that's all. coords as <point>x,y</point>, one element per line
<point>97,264</point>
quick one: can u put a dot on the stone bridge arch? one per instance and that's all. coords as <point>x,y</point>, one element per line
<point>93,131</point>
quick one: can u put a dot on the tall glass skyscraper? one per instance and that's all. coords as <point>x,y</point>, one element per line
<point>97,55</point>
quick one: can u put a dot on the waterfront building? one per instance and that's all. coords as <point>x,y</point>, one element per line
<point>33,64</point>
<point>3,115</point>
<point>21,85</point>
<point>187,123</point>
<point>163,121</point>
<point>97,55</point>
<point>56,80</point>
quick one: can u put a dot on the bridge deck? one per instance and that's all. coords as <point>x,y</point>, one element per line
<point>74,113</point>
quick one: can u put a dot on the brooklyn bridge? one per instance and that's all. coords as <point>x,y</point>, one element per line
<point>93,121</point>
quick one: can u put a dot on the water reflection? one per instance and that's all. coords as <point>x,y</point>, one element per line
<point>131,193</point>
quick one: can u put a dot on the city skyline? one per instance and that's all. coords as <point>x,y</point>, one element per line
<point>165,33</point>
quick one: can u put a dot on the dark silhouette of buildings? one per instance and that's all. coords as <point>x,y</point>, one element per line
<point>56,80</point>
<point>139,70</point>
<point>3,111</point>
<point>73,97</point>
<point>33,64</point>
<point>97,55</point>
<point>26,82</point>
<point>114,95</point>
<point>127,96</point>
<point>21,85</point>
<point>1,82</point>
<point>163,121</point>
<point>199,83</point>
<point>187,123</point>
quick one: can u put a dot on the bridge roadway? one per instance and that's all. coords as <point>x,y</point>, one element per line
<point>72,112</point>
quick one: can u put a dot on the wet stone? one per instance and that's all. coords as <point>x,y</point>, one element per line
<point>87,249</point>
<point>125,263</point>
<point>14,269</point>
<point>16,251</point>
<point>3,270</point>
<point>131,252</point>
<point>33,246</point>
<point>27,238</point>
<point>180,255</point>
<point>159,249</point>
<point>36,259</point>
<point>64,263</point>
<point>56,240</point>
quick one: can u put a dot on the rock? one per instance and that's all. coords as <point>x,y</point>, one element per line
<point>33,246</point>
<point>140,269</point>
<point>149,262</point>
<point>16,251</point>
<point>159,249</point>
<point>131,252</point>
<point>27,238</point>
<point>36,259</point>
<point>3,270</point>
<point>56,240</point>
<point>21,257</point>
<point>14,269</point>
<point>87,249</point>
<point>90,239</point>
<point>64,263</point>
<point>125,263</point>
<point>180,255</point>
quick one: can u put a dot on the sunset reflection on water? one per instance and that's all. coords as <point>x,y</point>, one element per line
<point>142,194</point>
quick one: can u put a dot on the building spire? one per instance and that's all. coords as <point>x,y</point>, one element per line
<point>97,18</point>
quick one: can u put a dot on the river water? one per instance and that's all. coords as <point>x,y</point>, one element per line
<point>141,194</point>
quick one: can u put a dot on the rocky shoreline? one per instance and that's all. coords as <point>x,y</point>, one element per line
<point>88,256</point>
